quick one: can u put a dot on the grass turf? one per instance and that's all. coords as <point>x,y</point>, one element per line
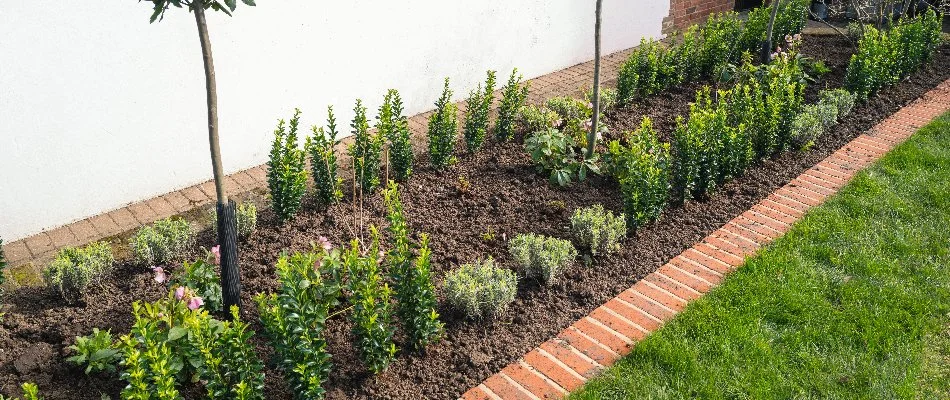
<point>854,302</point>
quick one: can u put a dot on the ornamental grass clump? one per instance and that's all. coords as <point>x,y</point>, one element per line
<point>75,269</point>
<point>372,310</point>
<point>295,317</point>
<point>321,147</point>
<point>366,150</point>
<point>480,289</point>
<point>885,57</point>
<point>164,241</point>
<point>642,168</point>
<point>478,112</point>
<point>286,170</point>
<point>598,230</point>
<point>173,340</point>
<point>95,352</point>
<point>412,277</point>
<point>394,126</point>
<point>513,97</point>
<point>542,257</point>
<point>443,129</point>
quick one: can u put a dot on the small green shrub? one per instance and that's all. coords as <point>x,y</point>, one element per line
<point>372,310</point>
<point>480,289</point>
<point>295,317</point>
<point>74,269</point>
<point>597,229</point>
<point>394,126</point>
<point>885,57</point>
<point>534,118</point>
<point>719,45</point>
<point>366,150</point>
<point>553,153</point>
<point>323,161</point>
<point>30,392</point>
<point>286,170</point>
<point>842,99</point>
<point>575,117</point>
<point>513,97</point>
<point>542,257</point>
<point>807,127</point>
<point>246,219</point>
<point>648,70</point>
<point>164,241</point>
<point>642,168</point>
<point>95,352</point>
<point>687,54</point>
<point>415,293</point>
<point>173,340</point>
<point>790,20</point>
<point>608,97</point>
<point>443,130</point>
<point>478,112</point>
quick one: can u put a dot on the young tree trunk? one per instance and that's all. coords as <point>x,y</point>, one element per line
<point>595,119</point>
<point>767,46</point>
<point>230,277</point>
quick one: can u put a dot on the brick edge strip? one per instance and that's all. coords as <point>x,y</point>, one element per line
<point>585,348</point>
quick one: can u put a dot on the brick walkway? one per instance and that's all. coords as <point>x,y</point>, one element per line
<point>596,341</point>
<point>40,248</point>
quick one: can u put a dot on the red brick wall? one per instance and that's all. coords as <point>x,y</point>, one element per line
<point>684,13</point>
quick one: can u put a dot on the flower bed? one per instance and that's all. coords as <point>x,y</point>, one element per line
<point>503,196</point>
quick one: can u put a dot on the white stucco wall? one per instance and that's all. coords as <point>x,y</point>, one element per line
<point>98,108</point>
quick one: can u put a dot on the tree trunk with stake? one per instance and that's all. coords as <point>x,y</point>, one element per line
<point>595,119</point>
<point>765,53</point>
<point>227,223</point>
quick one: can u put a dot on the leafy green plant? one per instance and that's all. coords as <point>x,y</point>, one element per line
<point>648,70</point>
<point>200,276</point>
<point>885,57</point>
<point>542,257</point>
<point>95,352</point>
<point>806,127</point>
<point>229,366</point>
<point>295,317</point>
<point>323,161</point>
<point>842,99</point>
<point>286,172</point>
<point>687,55</point>
<point>719,45</point>
<point>597,229</point>
<point>173,340</point>
<point>366,150</point>
<point>30,392</point>
<point>513,97</point>
<point>477,113</point>
<point>164,241</point>
<point>372,314</point>
<point>443,129</point>
<point>642,168</point>
<point>480,289</point>
<point>415,293</point>
<point>246,219</point>
<point>574,117</point>
<point>553,152</point>
<point>789,20</point>
<point>532,118</point>
<point>74,269</point>
<point>608,98</point>
<point>392,125</point>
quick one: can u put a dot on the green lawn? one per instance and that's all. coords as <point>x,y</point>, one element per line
<point>852,303</point>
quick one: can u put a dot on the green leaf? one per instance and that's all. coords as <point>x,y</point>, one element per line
<point>176,333</point>
<point>249,2</point>
<point>232,4</point>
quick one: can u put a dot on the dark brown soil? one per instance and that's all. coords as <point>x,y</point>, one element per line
<point>505,197</point>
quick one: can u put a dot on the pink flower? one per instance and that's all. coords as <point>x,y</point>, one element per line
<point>325,243</point>
<point>381,256</point>
<point>557,123</point>
<point>588,124</point>
<point>317,265</point>
<point>216,250</point>
<point>195,302</point>
<point>590,106</point>
<point>160,275</point>
<point>179,293</point>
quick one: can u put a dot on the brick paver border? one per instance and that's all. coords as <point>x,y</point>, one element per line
<point>596,341</point>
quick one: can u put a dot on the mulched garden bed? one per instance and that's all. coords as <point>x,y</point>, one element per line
<point>506,196</point>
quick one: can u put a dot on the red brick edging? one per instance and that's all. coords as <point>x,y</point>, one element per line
<point>596,341</point>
